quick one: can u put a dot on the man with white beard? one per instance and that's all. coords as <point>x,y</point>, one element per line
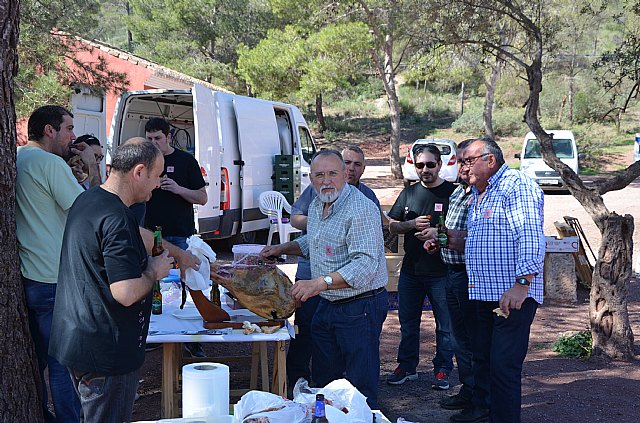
<point>345,245</point>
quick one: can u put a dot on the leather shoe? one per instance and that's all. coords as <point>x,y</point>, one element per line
<point>455,402</point>
<point>471,415</point>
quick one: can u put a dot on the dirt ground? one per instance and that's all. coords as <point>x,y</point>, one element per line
<point>554,389</point>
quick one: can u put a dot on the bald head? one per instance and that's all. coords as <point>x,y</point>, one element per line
<point>135,140</point>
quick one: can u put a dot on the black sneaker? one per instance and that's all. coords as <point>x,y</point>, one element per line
<point>441,382</point>
<point>471,415</point>
<point>400,376</point>
<point>455,402</point>
<point>194,349</point>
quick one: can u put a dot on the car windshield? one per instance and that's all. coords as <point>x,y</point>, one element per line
<point>563,149</point>
<point>445,149</point>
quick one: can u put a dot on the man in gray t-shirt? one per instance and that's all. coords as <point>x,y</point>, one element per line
<point>300,348</point>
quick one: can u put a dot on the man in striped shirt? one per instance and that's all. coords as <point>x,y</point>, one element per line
<point>345,245</point>
<point>504,253</point>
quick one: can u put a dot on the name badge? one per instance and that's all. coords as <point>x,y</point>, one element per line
<point>487,213</point>
<point>437,207</point>
<point>169,169</point>
<point>329,251</point>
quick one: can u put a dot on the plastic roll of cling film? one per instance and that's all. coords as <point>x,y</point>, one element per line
<point>205,391</point>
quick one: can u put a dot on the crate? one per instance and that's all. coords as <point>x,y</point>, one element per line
<point>392,302</point>
<point>287,186</point>
<point>286,175</point>
<point>286,161</point>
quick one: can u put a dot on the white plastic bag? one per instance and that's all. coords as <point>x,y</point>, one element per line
<point>253,404</point>
<point>199,280</point>
<point>342,395</point>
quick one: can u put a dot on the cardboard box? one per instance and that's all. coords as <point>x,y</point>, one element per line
<point>561,245</point>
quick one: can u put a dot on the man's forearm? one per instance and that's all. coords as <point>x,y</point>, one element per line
<point>396,227</point>
<point>299,221</point>
<point>130,291</point>
<point>194,196</point>
<point>94,175</point>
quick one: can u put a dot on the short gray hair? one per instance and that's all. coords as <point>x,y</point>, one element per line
<point>128,155</point>
<point>492,147</point>
<point>329,153</point>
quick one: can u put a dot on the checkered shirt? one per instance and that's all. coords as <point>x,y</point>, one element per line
<point>456,219</point>
<point>505,238</point>
<point>348,241</point>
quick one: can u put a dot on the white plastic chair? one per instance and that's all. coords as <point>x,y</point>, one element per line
<point>271,204</point>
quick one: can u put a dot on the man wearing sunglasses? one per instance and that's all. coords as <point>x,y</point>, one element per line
<point>417,209</point>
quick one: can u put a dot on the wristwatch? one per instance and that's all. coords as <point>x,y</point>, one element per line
<point>328,280</point>
<point>523,281</point>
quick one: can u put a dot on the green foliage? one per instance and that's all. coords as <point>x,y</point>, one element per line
<point>507,121</point>
<point>577,345</point>
<point>36,90</point>
<point>442,70</point>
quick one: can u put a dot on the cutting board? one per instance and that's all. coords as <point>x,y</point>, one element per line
<point>236,322</point>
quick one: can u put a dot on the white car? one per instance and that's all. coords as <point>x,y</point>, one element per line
<point>449,170</point>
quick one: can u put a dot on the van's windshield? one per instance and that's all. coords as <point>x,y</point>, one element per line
<point>562,148</point>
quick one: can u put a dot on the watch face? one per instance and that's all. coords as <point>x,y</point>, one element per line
<point>523,281</point>
<point>328,280</point>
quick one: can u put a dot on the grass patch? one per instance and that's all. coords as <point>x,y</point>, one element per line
<point>577,345</point>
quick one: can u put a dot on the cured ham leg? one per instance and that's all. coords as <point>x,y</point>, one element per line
<point>264,290</point>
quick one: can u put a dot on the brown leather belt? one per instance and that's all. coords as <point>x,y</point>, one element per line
<point>359,296</point>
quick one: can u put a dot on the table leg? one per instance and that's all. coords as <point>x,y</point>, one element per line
<point>171,357</point>
<point>279,384</point>
<point>255,362</point>
<point>264,366</point>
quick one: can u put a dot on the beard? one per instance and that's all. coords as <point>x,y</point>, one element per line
<point>428,178</point>
<point>330,196</point>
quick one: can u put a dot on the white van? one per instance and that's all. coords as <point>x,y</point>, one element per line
<point>532,164</point>
<point>234,138</point>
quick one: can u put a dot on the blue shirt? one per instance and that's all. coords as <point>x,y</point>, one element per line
<point>348,240</point>
<point>506,237</point>
<point>301,206</point>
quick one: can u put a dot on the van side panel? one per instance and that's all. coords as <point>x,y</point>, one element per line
<point>259,142</point>
<point>207,147</point>
<point>89,117</point>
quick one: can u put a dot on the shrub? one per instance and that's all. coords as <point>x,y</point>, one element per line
<point>577,345</point>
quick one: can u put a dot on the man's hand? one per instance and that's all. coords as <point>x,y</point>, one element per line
<point>422,222</point>
<point>271,251</point>
<point>186,260</point>
<point>170,185</point>
<point>513,298</point>
<point>159,266</point>
<point>303,290</point>
<point>427,234</point>
<point>85,153</point>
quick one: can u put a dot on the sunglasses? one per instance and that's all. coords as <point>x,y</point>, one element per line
<point>430,165</point>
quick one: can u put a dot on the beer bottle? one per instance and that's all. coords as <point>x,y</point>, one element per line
<point>156,299</point>
<point>215,294</point>
<point>319,415</point>
<point>443,239</point>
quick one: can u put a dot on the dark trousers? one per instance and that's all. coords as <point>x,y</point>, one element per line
<point>461,317</point>
<point>346,342</point>
<point>499,348</point>
<point>40,301</point>
<point>300,350</point>
<point>411,292</point>
<point>105,398</point>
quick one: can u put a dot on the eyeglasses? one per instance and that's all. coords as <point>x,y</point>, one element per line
<point>470,161</point>
<point>430,165</point>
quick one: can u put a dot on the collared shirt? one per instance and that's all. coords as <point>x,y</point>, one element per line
<point>456,219</point>
<point>506,237</point>
<point>348,241</point>
<point>301,206</point>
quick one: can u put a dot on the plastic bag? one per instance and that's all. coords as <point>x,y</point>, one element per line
<point>342,395</point>
<point>199,280</point>
<point>253,405</point>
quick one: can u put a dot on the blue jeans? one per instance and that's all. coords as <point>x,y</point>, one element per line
<point>178,241</point>
<point>461,316</point>
<point>499,348</point>
<point>411,292</point>
<point>346,342</point>
<point>104,398</point>
<point>301,348</point>
<point>40,300</point>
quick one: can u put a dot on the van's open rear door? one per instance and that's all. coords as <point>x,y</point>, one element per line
<point>259,142</point>
<point>208,155</point>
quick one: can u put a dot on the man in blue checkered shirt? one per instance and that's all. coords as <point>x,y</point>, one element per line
<point>504,253</point>
<point>345,245</point>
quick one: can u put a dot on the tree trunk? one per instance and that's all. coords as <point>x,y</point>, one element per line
<point>319,114</point>
<point>489,99</point>
<point>19,399</point>
<point>389,79</point>
<point>610,330</point>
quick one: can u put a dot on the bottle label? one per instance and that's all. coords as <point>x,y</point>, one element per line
<point>156,306</point>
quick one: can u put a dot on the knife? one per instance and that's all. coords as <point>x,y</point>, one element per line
<point>184,294</point>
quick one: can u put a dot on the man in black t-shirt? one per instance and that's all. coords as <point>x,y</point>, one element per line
<point>103,302</point>
<point>171,205</point>
<point>417,209</point>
